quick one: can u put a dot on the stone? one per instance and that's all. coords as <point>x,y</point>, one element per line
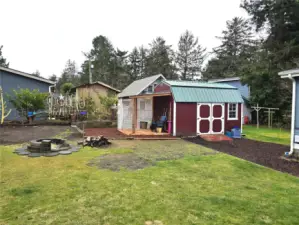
<point>25,152</point>
<point>158,222</point>
<point>50,154</point>
<point>75,149</point>
<point>35,154</point>
<point>20,150</point>
<point>67,152</point>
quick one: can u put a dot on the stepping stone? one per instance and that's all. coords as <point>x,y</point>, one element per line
<point>50,154</point>
<point>20,149</point>
<point>67,152</point>
<point>35,154</point>
<point>75,149</point>
<point>24,152</point>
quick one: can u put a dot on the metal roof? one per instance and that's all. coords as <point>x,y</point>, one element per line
<point>198,84</point>
<point>138,86</point>
<point>224,79</point>
<point>26,75</point>
<point>100,83</point>
<point>206,95</point>
<point>293,72</point>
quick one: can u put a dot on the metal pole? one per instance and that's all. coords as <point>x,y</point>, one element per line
<point>90,75</point>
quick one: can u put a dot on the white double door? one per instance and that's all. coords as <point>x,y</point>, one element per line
<point>210,118</point>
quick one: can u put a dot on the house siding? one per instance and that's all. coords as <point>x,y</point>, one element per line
<point>229,124</point>
<point>186,119</point>
<point>10,81</point>
<point>245,92</point>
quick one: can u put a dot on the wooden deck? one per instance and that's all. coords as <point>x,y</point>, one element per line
<point>142,132</point>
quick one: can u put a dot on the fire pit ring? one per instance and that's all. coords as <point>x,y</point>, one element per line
<point>47,147</point>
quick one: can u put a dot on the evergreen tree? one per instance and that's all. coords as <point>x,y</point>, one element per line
<point>190,56</point>
<point>136,63</point>
<point>53,78</point>
<point>279,50</point>
<point>235,50</point>
<point>160,59</point>
<point>3,62</point>
<point>69,74</point>
<point>36,73</point>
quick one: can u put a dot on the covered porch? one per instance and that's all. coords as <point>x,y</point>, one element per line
<point>151,115</point>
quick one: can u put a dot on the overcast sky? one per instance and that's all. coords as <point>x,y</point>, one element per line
<point>43,35</point>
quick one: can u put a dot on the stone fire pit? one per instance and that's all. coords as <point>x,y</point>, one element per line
<point>47,147</point>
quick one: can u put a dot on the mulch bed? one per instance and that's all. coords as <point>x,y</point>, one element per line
<point>266,154</point>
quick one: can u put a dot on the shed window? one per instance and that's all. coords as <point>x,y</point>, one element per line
<point>233,111</point>
<point>142,105</point>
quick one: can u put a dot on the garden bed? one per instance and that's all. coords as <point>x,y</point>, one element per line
<point>266,154</point>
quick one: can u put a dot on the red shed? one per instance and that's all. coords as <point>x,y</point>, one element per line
<point>202,107</point>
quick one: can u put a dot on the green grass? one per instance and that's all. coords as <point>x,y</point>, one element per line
<point>195,189</point>
<point>265,134</point>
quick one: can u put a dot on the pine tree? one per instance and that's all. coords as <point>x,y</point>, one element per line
<point>190,56</point>
<point>279,50</point>
<point>3,62</point>
<point>235,50</point>
<point>160,59</point>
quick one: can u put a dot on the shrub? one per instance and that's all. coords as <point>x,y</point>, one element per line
<point>26,100</point>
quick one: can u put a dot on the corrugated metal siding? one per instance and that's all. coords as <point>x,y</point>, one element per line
<point>186,118</point>
<point>10,81</point>
<point>229,124</point>
<point>206,95</point>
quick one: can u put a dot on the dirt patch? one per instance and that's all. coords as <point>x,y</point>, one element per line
<point>21,134</point>
<point>147,153</point>
<point>266,154</point>
<point>115,162</point>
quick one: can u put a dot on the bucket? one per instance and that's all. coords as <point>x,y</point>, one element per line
<point>143,125</point>
<point>159,129</point>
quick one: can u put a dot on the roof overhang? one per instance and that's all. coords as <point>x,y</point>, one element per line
<point>27,75</point>
<point>99,83</point>
<point>224,79</point>
<point>152,95</point>
<point>289,73</point>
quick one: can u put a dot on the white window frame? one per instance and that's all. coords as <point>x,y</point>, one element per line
<point>237,111</point>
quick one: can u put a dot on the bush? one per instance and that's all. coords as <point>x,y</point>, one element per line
<point>26,100</point>
<point>66,88</point>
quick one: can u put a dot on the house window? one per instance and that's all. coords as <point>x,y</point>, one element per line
<point>233,111</point>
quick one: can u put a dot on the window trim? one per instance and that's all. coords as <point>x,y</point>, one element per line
<point>237,111</point>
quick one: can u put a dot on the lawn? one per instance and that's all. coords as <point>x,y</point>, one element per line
<point>265,134</point>
<point>182,183</point>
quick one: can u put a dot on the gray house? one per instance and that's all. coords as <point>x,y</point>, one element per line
<point>13,79</point>
<point>243,88</point>
<point>293,75</point>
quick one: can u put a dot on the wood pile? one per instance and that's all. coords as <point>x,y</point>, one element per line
<point>93,141</point>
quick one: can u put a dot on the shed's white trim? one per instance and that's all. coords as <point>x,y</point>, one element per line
<point>237,111</point>
<point>293,115</point>
<point>174,118</point>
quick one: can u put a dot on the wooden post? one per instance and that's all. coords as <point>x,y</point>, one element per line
<point>257,117</point>
<point>134,115</point>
